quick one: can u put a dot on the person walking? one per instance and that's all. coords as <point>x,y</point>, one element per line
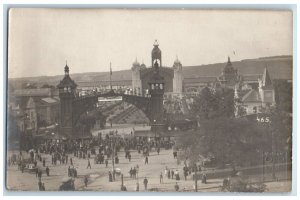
<point>40,175</point>
<point>35,163</point>
<point>129,157</point>
<point>131,172</point>
<point>106,162</point>
<point>69,171</point>
<point>71,161</point>
<point>145,183</point>
<point>47,171</point>
<point>109,176</point>
<point>176,187</point>
<point>44,162</point>
<point>161,178</point>
<point>89,164</point>
<point>22,168</point>
<point>40,185</point>
<point>204,179</point>
<point>177,175</point>
<point>172,173</point>
<point>146,160</point>
<point>43,187</point>
<point>175,154</point>
<point>86,181</point>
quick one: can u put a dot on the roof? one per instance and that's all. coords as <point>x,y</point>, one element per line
<point>202,79</point>
<point>177,61</point>
<point>104,83</point>
<point>252,96</point>
<point>49,100</point>
<point>242,93</point>
<point>67,81</point>
<point>39,92</point>
<point>136,63</point>
<point>251,77</point>
<point>266,80</point>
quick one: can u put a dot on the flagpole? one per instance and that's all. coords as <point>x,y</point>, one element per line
<point>110,73</point>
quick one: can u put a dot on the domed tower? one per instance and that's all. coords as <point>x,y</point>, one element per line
<point>229,77</point>
<point>177,80</point>
<point>143,66</point>
<point>156,90</point>
<point>156,55</point>
<point>136,78</point>
<point>67,93</point>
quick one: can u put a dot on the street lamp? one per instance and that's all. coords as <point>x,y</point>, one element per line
<point>25,117</point>
<point>113,157</point>
<point>154,128</point>
<point>273,157</point>
<point>196,179</point>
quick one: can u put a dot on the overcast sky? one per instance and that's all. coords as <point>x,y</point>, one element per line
<point>41,40</point>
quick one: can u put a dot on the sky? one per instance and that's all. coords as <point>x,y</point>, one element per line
<point>42,40</point>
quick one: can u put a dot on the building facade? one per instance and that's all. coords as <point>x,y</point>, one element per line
<point>34,109</point>
<point>141,75</point>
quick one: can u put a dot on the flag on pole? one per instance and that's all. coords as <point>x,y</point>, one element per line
<point>110,70</point>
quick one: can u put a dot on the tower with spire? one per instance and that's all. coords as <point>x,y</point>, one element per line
<point>229,77</point>
<point>136,78</point>
<point>266,89</point>
<point>156,91</point>
<point>67,93</point>
<point>178,78</point>
<point>173,78</point>
<point>156,55</point>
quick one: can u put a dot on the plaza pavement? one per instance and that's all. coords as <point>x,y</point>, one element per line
<point>98,176</point>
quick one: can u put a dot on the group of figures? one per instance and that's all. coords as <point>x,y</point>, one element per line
<point>102,150</point>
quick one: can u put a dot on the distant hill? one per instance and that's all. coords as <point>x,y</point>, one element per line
<point>280,67</point>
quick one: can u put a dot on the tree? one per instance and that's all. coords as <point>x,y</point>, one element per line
<point>283,95</point>
<point>210,104</point>
<point>228,140</point>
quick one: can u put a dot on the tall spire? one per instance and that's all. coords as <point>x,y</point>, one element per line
<point>266,80</point>
<point>66,69</point>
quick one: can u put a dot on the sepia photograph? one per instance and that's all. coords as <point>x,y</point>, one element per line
<point>149,100</point>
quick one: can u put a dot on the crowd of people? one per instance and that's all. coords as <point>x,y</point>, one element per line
<point>103,150</point>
